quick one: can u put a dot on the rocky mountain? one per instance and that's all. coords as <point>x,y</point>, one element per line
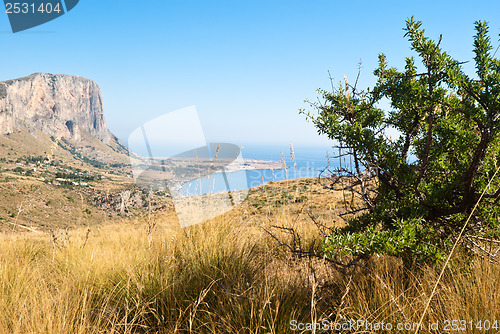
<point>57,105</point>
<point>59,164</point>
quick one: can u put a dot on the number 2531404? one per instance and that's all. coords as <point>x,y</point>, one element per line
<point>27,8</point>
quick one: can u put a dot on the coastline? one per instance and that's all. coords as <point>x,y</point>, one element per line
<point>252,164</point>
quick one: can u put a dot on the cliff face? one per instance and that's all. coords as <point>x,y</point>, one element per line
<point>58,105</point>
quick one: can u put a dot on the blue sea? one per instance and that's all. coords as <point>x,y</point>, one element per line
<point>304,162</point>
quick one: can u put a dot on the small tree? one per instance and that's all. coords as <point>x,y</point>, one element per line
<point>413,194</point>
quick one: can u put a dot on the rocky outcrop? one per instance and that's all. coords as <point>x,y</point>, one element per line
<point>124,201</point>
<point>58,105</point>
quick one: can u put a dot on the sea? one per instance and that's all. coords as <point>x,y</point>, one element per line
<point>300,162</point>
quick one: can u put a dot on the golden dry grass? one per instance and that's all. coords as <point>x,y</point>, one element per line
<point>223,276</point>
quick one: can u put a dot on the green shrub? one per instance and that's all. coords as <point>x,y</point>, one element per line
<point>414,193</point>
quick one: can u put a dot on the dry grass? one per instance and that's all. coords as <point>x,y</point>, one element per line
<point>207,278</point>
<point>223,276</point>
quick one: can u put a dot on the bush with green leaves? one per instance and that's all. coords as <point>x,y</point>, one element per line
<point>413,194</point>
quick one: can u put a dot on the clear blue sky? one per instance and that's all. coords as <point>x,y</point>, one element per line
<point>247,65</point>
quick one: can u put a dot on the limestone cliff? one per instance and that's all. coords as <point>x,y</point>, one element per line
<point>56,104</point>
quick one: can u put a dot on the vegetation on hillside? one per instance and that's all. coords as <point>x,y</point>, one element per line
<point>224,276</point>
<point>72,263</point>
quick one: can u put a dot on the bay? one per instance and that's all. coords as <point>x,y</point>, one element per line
<point>300,161</point>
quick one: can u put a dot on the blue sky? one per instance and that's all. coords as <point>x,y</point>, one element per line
<point>246,65</point>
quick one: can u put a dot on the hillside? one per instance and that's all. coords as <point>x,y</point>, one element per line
<point>60,166</point>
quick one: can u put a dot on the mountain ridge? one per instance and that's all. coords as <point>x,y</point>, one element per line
<point>62,107</point>
<point>60,166</point>
<point>57,104</point>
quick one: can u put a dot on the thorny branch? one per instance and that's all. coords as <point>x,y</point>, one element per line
<point>295,247</point>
